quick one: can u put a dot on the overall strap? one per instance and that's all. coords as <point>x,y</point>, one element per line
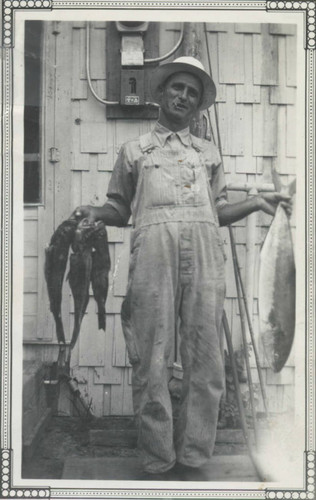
<point>197,144</point>
<point>146,142</point>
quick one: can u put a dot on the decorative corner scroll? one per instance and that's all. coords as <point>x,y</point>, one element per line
<point>6,491</point>
<point>308,7</point>
<point>7,19</point>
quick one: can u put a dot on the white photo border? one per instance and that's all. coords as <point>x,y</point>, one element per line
<point>7,488</point>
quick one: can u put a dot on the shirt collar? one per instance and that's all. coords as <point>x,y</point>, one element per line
<point>162,133</point>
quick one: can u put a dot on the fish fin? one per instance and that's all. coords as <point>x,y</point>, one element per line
<point>276,180</point>
<point>292,188</point>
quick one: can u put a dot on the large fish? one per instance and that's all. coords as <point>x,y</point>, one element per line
<point>100,270</point>
<point>276,296</point>
<point>56,255</point>
<point>80,273</point>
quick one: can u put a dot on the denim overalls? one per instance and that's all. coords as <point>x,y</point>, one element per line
<point>176,280</point>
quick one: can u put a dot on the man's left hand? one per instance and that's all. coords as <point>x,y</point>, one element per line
<point>269,202</point>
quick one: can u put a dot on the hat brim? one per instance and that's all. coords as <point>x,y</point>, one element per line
<point>163,72</point>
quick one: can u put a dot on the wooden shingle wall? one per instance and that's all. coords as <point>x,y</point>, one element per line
<point>253,67</point>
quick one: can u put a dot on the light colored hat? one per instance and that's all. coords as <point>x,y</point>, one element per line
<point>186,64</point>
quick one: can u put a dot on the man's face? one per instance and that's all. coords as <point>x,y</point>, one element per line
<point>180,98</point>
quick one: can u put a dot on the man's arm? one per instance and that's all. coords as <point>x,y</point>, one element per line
<point>107,214</point>
<point>232,212</point>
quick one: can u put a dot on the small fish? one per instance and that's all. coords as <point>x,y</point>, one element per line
<point>56,255</point>
<point>80,273</point>
<point>100,270</point>
<point>276,295</point>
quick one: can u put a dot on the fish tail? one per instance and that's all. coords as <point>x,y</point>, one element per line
<point>60,330</point>
<point>79,314</point>
<point>75,335</point>
<point>101,320</point>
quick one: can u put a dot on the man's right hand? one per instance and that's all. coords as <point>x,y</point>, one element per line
<point>86,212</point>
<point>106,213</point>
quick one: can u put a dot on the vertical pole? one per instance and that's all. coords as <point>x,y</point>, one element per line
<point>192,46</point>
<point>239,397</point>
<point>250,254</point>
<point>251,222</point>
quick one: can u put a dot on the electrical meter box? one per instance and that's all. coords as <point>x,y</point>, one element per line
<point>132,87</point>
<point>127,72</point>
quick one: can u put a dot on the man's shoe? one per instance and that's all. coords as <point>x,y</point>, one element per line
<point>169,475</point>
<point>186,473</point>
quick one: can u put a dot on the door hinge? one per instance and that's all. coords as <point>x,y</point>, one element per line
<point>54,155</point>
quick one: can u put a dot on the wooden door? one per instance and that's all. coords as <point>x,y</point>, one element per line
<point>56,132</point>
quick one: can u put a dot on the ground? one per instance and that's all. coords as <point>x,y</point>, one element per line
<point>69,436</point>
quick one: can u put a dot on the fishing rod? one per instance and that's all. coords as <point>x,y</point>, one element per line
<point>239,398</point>
<point>242,319</point>
<point>243,334</point>
<point>235,257</point>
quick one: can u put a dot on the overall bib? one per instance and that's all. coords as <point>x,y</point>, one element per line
<point>176,280</point>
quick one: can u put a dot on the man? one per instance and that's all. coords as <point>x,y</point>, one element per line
<point>173,185</point>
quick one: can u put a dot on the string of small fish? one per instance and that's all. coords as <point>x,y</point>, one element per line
<point>89,263</point>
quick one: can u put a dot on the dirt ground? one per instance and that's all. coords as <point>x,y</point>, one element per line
<point>65,436</point>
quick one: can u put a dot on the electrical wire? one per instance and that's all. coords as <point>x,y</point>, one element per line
<point>172,51</point>
<point>98,98</point>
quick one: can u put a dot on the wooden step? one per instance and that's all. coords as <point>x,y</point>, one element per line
<point>222,468</point>
<point>128,437</point>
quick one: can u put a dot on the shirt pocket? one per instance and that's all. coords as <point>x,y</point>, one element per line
<point>160,185</point>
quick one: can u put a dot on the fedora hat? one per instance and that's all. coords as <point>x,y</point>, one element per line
<point>185,64</point>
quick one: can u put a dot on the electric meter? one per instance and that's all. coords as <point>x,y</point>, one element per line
<point>131,26</point>
<point>127,75</point>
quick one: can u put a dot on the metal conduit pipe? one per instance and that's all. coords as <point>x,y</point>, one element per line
<point>247,186</point>
<point>172,51</point>
<point>98,98</point>
<point>146,61</point>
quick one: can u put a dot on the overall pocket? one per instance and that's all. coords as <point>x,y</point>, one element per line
<point>160,185</point>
